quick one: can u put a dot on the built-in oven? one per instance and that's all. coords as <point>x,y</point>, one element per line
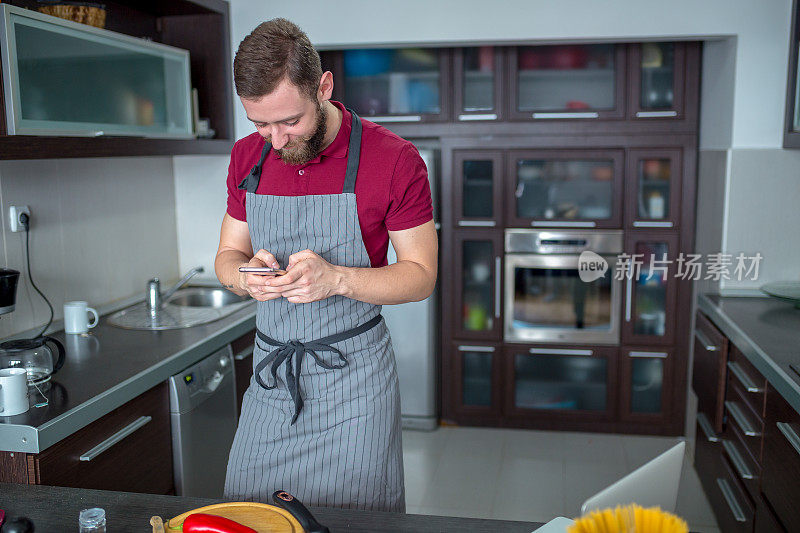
<point>561,286</point>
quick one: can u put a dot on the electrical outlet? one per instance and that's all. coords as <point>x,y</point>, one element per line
<point>14,213</point>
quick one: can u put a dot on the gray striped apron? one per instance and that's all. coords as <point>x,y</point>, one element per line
<point>321,417</point>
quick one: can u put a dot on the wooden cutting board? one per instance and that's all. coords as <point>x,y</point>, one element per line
<point>259,516</point>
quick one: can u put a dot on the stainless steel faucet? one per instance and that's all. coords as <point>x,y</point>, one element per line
<point>154,296</point>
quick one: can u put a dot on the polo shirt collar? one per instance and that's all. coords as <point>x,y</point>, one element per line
<point>338,148</point>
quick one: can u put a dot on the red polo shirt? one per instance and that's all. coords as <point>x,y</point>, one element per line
<point>392,190</point>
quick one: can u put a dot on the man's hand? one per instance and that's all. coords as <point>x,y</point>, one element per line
<point>308,278</point>
<point>258,286</point>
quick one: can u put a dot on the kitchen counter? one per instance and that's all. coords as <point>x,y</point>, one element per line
<point>57,509</point>
<point>109,367</point>
<point>766,331</point>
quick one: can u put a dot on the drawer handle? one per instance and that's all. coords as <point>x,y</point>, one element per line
<point>790,435</point>
<point>741,420</point>
<point>734,506</point>
<point>477,223</point>
<point>497,267</point>
<point>244,354</point>
<point>115,438</point>
<point>705,425</point>
<point>649,355</point>
<point>467,348</point>
<point>558,351</point>
<point>743,378</point>
<point>705,342</point>
<point>737,460</point>
<point>396,118</point>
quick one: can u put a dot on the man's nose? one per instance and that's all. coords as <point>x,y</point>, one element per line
<point>279,139</point>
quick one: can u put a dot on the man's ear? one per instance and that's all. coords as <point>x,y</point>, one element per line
<point>325,91</point>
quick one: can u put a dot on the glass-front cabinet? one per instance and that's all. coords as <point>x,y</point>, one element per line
<point>651,287</point>
<point>646,383</point>
<point>397,84</point>
<point>478,188</point>
<point>478,89</point>
<point>67,79</point>
<point>565,188</point>
<point>575,81</point>
<point>476,369</point>
<point>560,381</point>
<point>657,80</point>
<point>653,188</point>
<point>478,278</point>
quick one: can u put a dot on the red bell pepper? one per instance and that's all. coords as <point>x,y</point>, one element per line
<point>209,523</point>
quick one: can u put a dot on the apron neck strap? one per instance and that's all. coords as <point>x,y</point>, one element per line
<point>250,182</point>
<point>353,154</point>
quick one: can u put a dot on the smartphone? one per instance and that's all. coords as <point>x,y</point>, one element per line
<point>262,271</point>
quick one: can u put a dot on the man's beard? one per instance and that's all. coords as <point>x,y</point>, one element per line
<point>304,149</point>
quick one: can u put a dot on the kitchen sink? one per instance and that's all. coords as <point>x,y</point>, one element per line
<point>205,297</point>
<point>187,307</point>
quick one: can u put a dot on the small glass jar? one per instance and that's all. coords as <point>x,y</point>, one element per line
<point>92,520</point>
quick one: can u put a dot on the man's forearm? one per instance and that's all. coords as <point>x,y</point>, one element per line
<point>226,266</point>
<point>401,282</point>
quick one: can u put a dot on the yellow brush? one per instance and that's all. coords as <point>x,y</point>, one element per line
<point>629,519</point>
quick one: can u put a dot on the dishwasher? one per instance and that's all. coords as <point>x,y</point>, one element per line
<point>203,416</point>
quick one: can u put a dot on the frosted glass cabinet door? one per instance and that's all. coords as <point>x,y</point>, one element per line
<point>64,78</point>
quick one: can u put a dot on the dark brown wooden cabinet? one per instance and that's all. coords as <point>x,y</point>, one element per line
<point>657,82</point>
<point>243,364</point>
<point>199,26</point>
<point>129,449</point>
<point>477,381</point>
<point>653,188</point>
<point>709,371</point>
<point>478,277</point>
<point>478,177</point>
<point>781,474</point>
<point>478,85</point>
<point>646,384</point>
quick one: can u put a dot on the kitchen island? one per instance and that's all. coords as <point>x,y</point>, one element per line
<point>57,509</point>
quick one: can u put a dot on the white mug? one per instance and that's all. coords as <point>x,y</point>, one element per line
<point>76,317</point>
<point>13,391</point>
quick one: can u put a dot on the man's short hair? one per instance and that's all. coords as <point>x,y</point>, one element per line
<point>275,50</point>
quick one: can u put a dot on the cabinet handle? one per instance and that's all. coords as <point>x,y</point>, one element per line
<point>558,351</point>
<point>244,354</point>
<point>656,114</point>
<point>743,378</point>
<point>479,116</point>
<point>396,118</point>
<point>628,293</point>
<point>477,223</point>
<point>562,224</point>
<point>705,425</point>
<point>741,419</point>
<point>467,348</point>
<point>737,460</point>
<point>660,355</point>
<point>592,114</point>
<point>790,435</point>
<point>734,506</point>
<point>115,438</point>
<point>647,224</point>
<point>707,344</point>
<point>497,287</point>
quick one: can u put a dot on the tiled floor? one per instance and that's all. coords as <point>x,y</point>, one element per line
<point>530,475</point>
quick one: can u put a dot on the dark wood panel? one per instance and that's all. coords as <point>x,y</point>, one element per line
<point>765,520</point>
<point>726,519</point>
<point>780,481</point>
<point>13,467</point>
<point>141,462</point>
<point>709,371</point>
<point>626,385</point>
<point>40,147</point>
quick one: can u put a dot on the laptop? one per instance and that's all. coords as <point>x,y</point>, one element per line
<point>654,484</point>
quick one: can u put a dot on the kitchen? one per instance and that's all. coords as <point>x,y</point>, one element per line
<point>119,211</point>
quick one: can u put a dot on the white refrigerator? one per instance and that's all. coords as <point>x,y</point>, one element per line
<point>414,337</point>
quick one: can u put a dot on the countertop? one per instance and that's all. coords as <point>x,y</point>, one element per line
<point>57,509</point>
<point>109,367</point>
<point>766,331</point>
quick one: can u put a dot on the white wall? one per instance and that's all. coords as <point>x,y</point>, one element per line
<point>100,229</point>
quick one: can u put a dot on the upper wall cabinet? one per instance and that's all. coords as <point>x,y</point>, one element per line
<point>478,86</point>
<point>657,87</point>
<point>567,82</point>
<point>125,90</point>
<point>396,84</point>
